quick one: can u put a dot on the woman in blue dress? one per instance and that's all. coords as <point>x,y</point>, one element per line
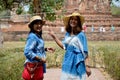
<point>35,53</point>
<point>75,64</point>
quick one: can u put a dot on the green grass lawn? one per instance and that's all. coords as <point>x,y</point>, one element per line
<point>12,57</point>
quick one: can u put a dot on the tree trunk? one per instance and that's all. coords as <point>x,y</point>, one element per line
<point>37,6</point>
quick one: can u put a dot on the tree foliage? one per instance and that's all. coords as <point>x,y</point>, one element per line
<point>19,10</point>
<point>7,4</point>
<point>48,7</point>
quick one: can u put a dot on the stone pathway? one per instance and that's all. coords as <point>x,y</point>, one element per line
<point>54,74</point>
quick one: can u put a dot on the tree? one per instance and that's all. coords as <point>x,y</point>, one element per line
<point>115,7</point>
<point>47,7</point>
<point>7,4</point>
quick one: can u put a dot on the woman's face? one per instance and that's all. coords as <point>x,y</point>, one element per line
<point>38,26</point>
<point>73,21</point>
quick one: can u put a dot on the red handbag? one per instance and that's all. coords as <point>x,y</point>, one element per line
<point>33,71</point>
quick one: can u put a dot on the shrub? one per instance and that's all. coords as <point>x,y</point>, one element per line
<point>111,60</point>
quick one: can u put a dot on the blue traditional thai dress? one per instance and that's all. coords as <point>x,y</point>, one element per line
<point>34,47</point>
<point>73,66</point>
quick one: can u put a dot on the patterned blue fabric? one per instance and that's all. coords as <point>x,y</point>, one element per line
<point>76,52</point>
<point>34,47</point>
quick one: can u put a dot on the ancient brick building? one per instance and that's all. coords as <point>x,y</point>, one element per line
<point>96,13</point>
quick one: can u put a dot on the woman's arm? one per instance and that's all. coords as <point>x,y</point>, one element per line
<point>88,70</point>
<point>56,39</point>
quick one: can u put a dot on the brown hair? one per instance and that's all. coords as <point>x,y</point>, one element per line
<point>77,29</point>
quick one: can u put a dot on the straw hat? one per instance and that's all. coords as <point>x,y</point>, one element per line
<point>35,18</point>
<point>66,18</point>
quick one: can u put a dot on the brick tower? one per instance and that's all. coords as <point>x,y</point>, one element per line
<point>96,13</point>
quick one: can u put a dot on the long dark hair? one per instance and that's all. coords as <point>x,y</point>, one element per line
<point>32,30</point>
<point>77,29</point>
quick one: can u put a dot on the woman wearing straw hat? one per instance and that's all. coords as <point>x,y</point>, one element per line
<point>75,64</point>
<point>34,51</point>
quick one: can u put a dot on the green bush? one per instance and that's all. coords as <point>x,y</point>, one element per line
<point>19,10</point>
<point>115,10</point>
<point>11,63</point>
<point>111,60</point>
<point>22,39</point>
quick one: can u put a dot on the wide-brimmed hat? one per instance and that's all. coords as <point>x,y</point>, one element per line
<point>66,18</point>
<point>36,18</point>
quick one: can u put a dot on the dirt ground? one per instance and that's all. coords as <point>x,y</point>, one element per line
<point>54,74</point>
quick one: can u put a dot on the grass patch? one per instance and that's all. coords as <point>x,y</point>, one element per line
<point>101,52</point>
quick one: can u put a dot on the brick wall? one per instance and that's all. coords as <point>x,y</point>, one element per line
<point>92,36</point>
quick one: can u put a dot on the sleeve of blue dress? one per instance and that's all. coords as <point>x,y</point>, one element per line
<point>29,47</point>
<point>82,55</point>
<point>83,40</point>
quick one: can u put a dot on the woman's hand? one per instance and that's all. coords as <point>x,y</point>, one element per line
<point>51,33</point>
<point>55,38</point>
<point>88,70</point>
<point>43,60</point>
<point>51,50</point>
<point>40,59</point>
